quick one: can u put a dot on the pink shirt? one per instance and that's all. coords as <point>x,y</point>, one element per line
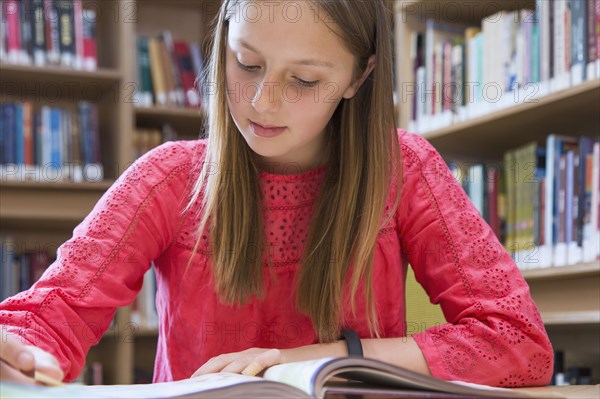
<point>494,333</point>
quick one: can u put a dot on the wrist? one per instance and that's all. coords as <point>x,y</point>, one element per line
<point>353,343</point>
<point>315,351</point>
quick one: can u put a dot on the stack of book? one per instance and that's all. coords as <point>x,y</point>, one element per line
<point>167,72</point>
<point>48,32</point>
<point>513,57</point>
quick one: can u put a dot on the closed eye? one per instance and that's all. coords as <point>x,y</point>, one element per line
<point>307,83</point>
<point>249,68</point>
<point>253,68</point>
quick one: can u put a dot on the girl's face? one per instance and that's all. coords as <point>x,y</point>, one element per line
<point>285,68</point>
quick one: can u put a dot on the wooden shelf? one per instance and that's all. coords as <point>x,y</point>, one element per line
<point>130,333</point>
<point>59,204</point>
<point>465,11</point>
<point>61,82</point>
<point>570,318</point>
<point>186,121</point>
<point>555,273</point>
<point>491,135</point>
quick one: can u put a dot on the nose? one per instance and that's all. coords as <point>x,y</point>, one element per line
<point>267,97</point>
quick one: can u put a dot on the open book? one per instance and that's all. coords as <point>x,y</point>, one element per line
<point>311,379</point>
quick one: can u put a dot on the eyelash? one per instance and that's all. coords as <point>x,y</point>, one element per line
<point>305,83</point>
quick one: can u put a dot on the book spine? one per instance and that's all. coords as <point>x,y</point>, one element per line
<point>509,168</point>
<point>19,138</point>
<point>55,138</point>
<point>597,29</point>
<point>551,40</point>
<point>569,197</point>
<point>66,142</point>
<point>39,33</point>
<point>13,37</point>
<point>78,33</point>
<point>167,70</point>
<point>595,213</point>
<point>52,33</point>
<point>37,129</point>
<point>186,72</point>
<point>157,74</point>
<point>144,72</point>
<point>84,123</point>
<point>578,41</point>
<point>2,33</point>
<point>66,32</point>
<point>9,133</point>
<point>544,39</point>
<point>24,271</point>
<point>562,199</point>
<point>559,38</point>
<point>46,137</point>
<point>549,185</point>
<point>568,34</point>
<point>171,61</point>
<point>3,134</point>
<point>26,9</point>
<point>95,135</point>
<point>28,133</point>
<point>447,82</point>
<point>8,259</point>
<point>90,58</point>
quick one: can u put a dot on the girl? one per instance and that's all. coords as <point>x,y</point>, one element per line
<point>294,220</point>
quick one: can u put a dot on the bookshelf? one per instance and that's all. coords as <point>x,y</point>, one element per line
<point>42,212</point>
<point>567,296</point>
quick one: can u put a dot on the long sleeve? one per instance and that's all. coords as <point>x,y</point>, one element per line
<point>494,333</point>
<point>102,266</point>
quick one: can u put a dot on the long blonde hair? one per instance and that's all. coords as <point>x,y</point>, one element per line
<point>362,163</point>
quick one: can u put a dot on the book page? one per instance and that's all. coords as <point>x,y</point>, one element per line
<point>158,390</point>
<point>297,374</point>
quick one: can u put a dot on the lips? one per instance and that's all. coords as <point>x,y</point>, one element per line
<point>266,130</point>
<point>266,125</point>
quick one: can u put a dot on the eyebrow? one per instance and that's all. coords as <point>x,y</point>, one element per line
<point>311,62</point>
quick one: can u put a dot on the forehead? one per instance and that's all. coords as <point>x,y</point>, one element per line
<point>294,28</point>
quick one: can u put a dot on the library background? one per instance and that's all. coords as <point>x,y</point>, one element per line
<point>508,91</point>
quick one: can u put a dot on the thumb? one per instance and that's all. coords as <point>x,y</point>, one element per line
<point>46,363</point>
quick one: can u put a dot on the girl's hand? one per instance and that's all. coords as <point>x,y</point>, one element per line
<point>249,362</point>
<point>18,362</point>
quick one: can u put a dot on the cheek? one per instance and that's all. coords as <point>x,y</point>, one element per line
<point>238,87</point>
<point>318,102</point>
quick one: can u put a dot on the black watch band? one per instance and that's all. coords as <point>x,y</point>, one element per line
<point>352,342</point>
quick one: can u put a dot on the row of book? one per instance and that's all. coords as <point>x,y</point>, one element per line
<point>48,32</point>
<point>167,71</point>
<point>543,202</point>
<point>91,374</point>
<point>143,310</point>
<point>50,143</point>
<point>145,139</point>
<point>19,269</point>
<point>513,57</point>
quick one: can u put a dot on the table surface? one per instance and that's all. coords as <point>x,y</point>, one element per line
<point>569,391</point>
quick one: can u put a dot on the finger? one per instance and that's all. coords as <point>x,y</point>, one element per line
<point>253,368</point>
<point>235,367</point>
<point>9,373</point>
<point>214,365</point>
<point>262,361</point>
<point>15,353</point>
